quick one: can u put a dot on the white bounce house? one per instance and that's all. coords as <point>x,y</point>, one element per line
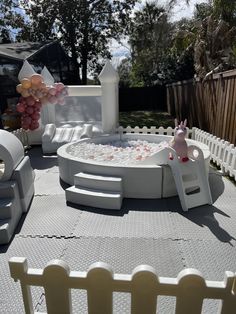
<point>89,111</point>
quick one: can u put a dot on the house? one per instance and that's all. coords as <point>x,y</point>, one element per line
<point>39,54</point>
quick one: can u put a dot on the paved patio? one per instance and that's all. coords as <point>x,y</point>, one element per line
<point>153,232</point>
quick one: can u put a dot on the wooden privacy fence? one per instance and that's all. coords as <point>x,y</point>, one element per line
<point>189,288</point>
<point>208,105</point>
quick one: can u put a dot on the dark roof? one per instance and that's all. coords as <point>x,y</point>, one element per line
<point>23,51</point>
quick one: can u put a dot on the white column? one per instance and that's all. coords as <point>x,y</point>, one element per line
<point>109,79</point>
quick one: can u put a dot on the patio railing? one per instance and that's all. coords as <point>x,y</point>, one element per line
<point>190,288</point>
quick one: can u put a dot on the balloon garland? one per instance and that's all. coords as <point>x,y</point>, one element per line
<point>35,93</point>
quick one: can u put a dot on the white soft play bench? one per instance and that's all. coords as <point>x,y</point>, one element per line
<point>79,118</point>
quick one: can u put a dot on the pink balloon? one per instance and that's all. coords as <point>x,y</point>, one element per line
<point>29,110</point>
<point>20,107</point>
<point>27,120</point>
<point>38,104</point>
<point>30,100</point>
<point>52,99</point>
<point>36,110</point>
<point>52,91</point>
<point>25,126</point>
<point>35,116</point>
<point>34,125</point>
<point>59,86</point>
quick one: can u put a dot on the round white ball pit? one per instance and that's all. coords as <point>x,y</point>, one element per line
<point>148,179</point>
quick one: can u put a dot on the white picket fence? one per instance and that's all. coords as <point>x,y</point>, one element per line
<point>223,153</point>
<point>151,130</point>
<point>144,286</point>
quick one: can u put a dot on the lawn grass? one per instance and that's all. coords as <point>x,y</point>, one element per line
<point>146,118</point>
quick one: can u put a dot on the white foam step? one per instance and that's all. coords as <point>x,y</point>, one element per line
<point>7,226</point>
<point>10,210</point>
<point>97,182</point>
<point>94,198</point>
<point>6,208</point>
<point>7,189</point>
<point>6,230</point>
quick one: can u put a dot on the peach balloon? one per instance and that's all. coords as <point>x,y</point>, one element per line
<point>26,83</point>
<point>19,88</point>
<point>36,79</point>
<point>42,86</point>
<point>25,93</point>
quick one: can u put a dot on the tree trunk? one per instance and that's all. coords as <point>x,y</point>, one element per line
<point>84,68</point>
<point>76,67</point>
<point>84,48</point>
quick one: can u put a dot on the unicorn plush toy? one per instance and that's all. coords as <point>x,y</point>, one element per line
<point>178,143</point>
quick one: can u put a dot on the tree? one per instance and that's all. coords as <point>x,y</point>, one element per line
<point>215,43</point>
<point>84,27</point>
<point>10,19</point>
<point>202,11</point>
<point>5,37</point>
<point>124,70</point>
<point>225,10</point>
<point>149,40</point>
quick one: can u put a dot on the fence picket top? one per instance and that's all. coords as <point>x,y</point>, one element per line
<point>170,130</point>
<point>144,129</point>
<point>18,267</point>
<point>100,266</point>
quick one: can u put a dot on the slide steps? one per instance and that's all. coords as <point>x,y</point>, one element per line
<point>191,180</point>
